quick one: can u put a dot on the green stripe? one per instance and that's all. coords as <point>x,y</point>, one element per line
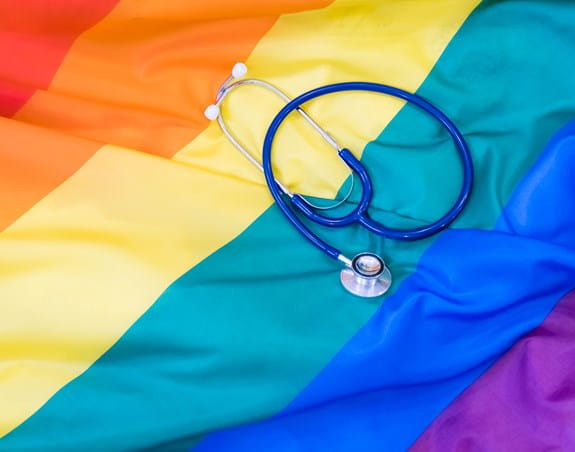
<point>238,336</point>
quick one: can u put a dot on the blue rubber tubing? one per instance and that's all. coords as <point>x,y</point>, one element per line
<point>359,214</point>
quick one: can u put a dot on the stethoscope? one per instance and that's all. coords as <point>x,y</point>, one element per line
<point>366,274</point>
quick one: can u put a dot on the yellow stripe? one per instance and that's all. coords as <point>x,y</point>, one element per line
<point>393,42</point>
<point>84,263</point>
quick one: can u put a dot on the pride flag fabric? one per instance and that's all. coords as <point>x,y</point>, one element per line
<point>152,297</point>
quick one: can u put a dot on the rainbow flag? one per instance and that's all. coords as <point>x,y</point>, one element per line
<point>152,297</point>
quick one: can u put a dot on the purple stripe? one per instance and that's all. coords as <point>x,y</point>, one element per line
<point>525,402</point>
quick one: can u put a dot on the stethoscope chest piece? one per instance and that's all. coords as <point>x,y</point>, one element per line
<point>367,276</point>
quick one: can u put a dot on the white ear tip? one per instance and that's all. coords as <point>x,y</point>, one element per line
<point>239,70</point>
<point>212,112</point>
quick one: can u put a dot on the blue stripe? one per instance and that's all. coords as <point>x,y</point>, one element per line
<point>473,295</point>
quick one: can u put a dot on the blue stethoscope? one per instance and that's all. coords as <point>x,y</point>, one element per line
<point>366,274</point>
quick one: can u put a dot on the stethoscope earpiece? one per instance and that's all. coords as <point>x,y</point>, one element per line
<point>239,70</point>
<point>212,112</point>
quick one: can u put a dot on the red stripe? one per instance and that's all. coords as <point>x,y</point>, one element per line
<point>35,36</point>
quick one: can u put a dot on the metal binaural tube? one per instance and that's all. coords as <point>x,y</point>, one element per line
<point>214,112</point>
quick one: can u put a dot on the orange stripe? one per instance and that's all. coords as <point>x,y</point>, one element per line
<point>122,82</point>
<point>34,161</point>
<point>142,77</point>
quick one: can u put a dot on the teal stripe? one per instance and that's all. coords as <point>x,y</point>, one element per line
<point>239,335</point>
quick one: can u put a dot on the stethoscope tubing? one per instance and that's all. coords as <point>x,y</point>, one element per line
<point>359,214</point>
